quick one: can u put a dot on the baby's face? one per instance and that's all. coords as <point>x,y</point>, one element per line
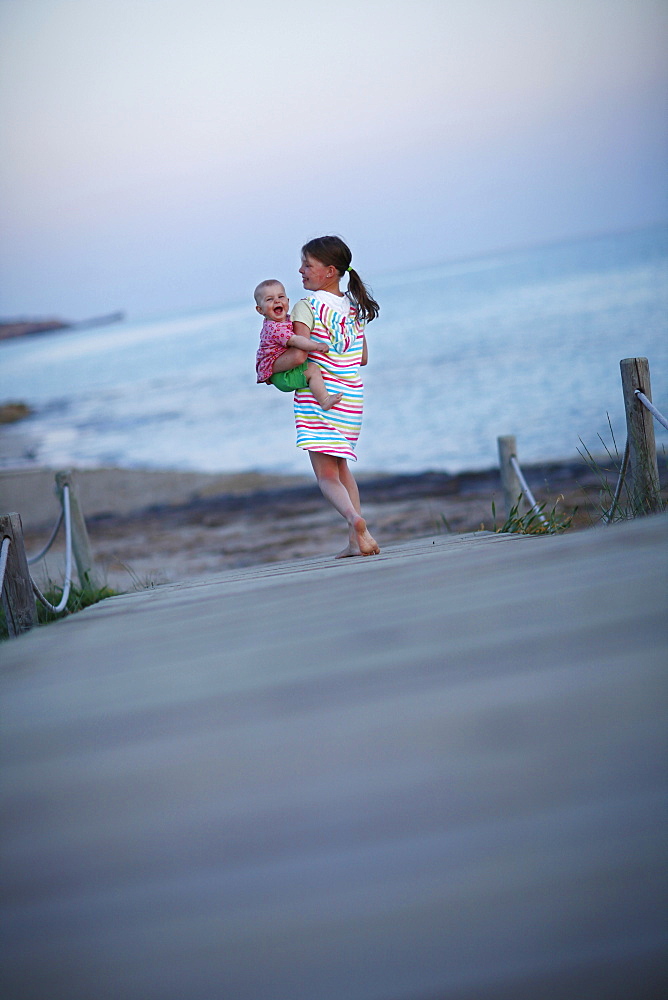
<point>274,303</point>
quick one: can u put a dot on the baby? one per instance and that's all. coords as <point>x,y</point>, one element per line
<point>282,356</point>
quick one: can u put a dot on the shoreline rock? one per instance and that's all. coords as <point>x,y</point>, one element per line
<point>12,411</point>
<point>9,329</point>
<point>12,328</point>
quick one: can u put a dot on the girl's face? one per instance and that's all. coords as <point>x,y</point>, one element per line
<point>315,274</point>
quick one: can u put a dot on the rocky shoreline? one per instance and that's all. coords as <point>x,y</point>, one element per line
<point>11,328</point>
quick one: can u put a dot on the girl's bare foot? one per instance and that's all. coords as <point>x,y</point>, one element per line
<point>366,543</point>
<point>361,543</point>
<point>332,401</point>
<point>352,549</point>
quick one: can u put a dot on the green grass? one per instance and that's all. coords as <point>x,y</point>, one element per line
<point>608,507</point>
<point>626,506</point>
<point>531,522</point>
<point>79,598</point>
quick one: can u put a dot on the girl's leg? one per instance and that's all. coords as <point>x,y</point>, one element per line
<point>348,480</point>
<point>318,388</point>
<point>327,470</point>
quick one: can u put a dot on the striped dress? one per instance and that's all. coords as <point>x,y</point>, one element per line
<point>335,431</point>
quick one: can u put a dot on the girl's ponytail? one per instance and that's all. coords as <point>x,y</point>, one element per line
<point>367,306</point>
<point>331,250</point>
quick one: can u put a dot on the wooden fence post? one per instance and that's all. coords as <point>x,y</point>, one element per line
<point>643,468</point>
<point>89,577</point>
<point>17,596</point>
<point>513,495</point>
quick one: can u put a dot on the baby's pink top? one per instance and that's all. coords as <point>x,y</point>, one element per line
<point>273,341</point>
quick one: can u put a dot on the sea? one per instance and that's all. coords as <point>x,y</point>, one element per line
<point>526,342</point>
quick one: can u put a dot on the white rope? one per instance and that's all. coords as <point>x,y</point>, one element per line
<point>525,489</point>
<point>652,408</point>
<point>57,608</point>
<point>4,553</point>
<point>40,555</point>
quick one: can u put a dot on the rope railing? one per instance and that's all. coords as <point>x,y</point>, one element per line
<point>526,491</point>
<point>66,514</point>
<point>19,589</point>
<point>638,472</point>
<point>652,408</point>
<point>40,555</point>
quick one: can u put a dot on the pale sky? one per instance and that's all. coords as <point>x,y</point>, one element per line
<point>163,155</point>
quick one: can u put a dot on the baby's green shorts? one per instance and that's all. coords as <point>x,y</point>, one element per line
<point>292,379</point>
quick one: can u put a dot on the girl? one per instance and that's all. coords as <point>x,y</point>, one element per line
<point>328,314</point>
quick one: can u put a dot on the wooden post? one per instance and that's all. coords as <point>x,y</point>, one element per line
<point>17,596</point>
<point>643,468</point>
<point>513,495</point>
<point>89,577</point>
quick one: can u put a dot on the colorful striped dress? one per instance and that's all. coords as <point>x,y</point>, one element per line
<point>335,431</point>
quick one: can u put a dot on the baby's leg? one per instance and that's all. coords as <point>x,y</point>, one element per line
<point>318,387</point>
<point>290,358</point>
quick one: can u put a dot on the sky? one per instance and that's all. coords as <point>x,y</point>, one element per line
<point>158,156</point>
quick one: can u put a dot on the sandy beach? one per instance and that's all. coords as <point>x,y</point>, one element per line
<point>147,528</point>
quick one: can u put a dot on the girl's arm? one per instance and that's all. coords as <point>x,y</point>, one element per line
<point>365,354</point>
<point>303,342</point>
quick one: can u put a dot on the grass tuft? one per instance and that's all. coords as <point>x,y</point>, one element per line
<point>616,501</point>
<point>531,522</point>
<point>79,598</point>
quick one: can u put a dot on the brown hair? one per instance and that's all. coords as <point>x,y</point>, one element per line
<point>332,251</point>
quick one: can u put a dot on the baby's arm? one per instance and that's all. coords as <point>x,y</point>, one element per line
<point>306,344</point>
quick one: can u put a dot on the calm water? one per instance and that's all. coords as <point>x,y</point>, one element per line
<point>525,343</point>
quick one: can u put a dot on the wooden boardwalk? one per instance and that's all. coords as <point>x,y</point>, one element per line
<point>439,774</point>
